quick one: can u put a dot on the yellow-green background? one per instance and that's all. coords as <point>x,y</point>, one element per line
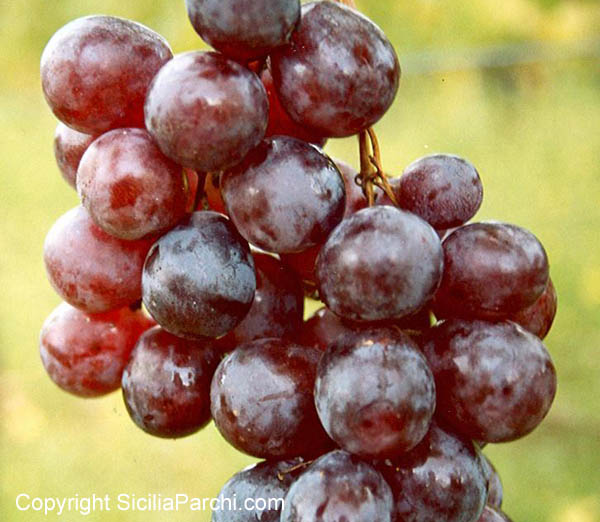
<point>533,131</point>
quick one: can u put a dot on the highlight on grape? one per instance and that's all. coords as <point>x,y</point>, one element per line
<point>210,211</point>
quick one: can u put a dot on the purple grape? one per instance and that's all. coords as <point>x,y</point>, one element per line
<point>85,354</point>
<point>338,487</point>
<point>494,484</point>
<point>96,72</point>
<point>440,479</point>
<point>538,317</point>
<point>286,195</point>
<point>380,263</point>
<point>339,74</point>
<point>374,393</point>
<point>262,400</point>
<point>166,384</point>
<point>266,482</point>
<point>277,307</point>
<point>90,269</point>
<point>130,189</point>
<point>198,279</point>
<point>495,381</point>
<point>206,112</point>
<point>444,190</point>
<point>491,270</point>
<point>244,29</point>
<point>69,146</point>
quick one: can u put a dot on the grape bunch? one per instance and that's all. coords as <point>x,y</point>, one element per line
<point>209,211</point>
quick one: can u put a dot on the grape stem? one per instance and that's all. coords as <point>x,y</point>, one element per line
<point>371,173</point>
<point>349,3</point>
<point>280,474</point>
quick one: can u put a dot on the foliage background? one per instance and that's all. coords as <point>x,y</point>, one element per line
<point>532,130</point>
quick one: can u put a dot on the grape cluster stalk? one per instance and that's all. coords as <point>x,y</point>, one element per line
<point>209,211</point>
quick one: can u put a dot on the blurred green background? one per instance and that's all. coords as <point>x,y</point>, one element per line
<point>528,117</point>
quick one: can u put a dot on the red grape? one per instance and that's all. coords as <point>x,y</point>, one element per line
<point>130,189</point>
<point>205,111</point>
<point>495,381</point>
<point>380,263</point>
<point>85,354</point>
<point>491,270</point>
<point>538,317</point>
<point>166,384</point>
<point>374,393</point>
<point>198,279</point>
<point>96,71</point>
<point>90,269</point>
<point>262,400</point>
<point>339,74</point>
<point>286,195</point>
<point>244,29</point>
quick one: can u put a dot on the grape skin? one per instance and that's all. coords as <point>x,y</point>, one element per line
<point>286,195</point>
<point>69,146</point>
<point>339,74</point>
<point>262,400</point>
<point>374,393</point>
<point>338,487</point>
<point>495,381</point>
<point>90,269</point>
<point>443,189</point>
<point>277,307</point>
<point>130,189</point>
<point>96,71</point>
<point>166,383</point>
<point>380,263</point>
<point>206,112</point>
<point>440,479</point>
<point>198,279</point>
<point>244,29</point>
<point>85,354</point>
<point>491,270</point>
<point>265,480</point>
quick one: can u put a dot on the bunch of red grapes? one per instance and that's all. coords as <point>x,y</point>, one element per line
<point>206,196</point>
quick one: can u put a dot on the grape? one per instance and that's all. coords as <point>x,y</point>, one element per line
<point>339,74</point>
<point>266,481</point>
<point>277,307</point>
<point>192,182</point>
<point>491,270</point>
<point>130,189</point>
<point>538,317</point>
<point>286,195</point>
<point>205,111</point>
<point>244,29</point>
<point>374,393</point>
<point>303,263</point>
<point>198,279</point>
<point>96,71</point>
<point>380,263</point>
<point>90,269</point>
<point>338,487</point>
<point>494,484</point>
<point>166,383</point>
<point>440,479</point>
<point>495,381</point>
<point>262,400</point>
<point>85,354</point>
<point>444,190</point>
<point>279,120</point>
<point>490,514</point>
<point>69,146</point>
